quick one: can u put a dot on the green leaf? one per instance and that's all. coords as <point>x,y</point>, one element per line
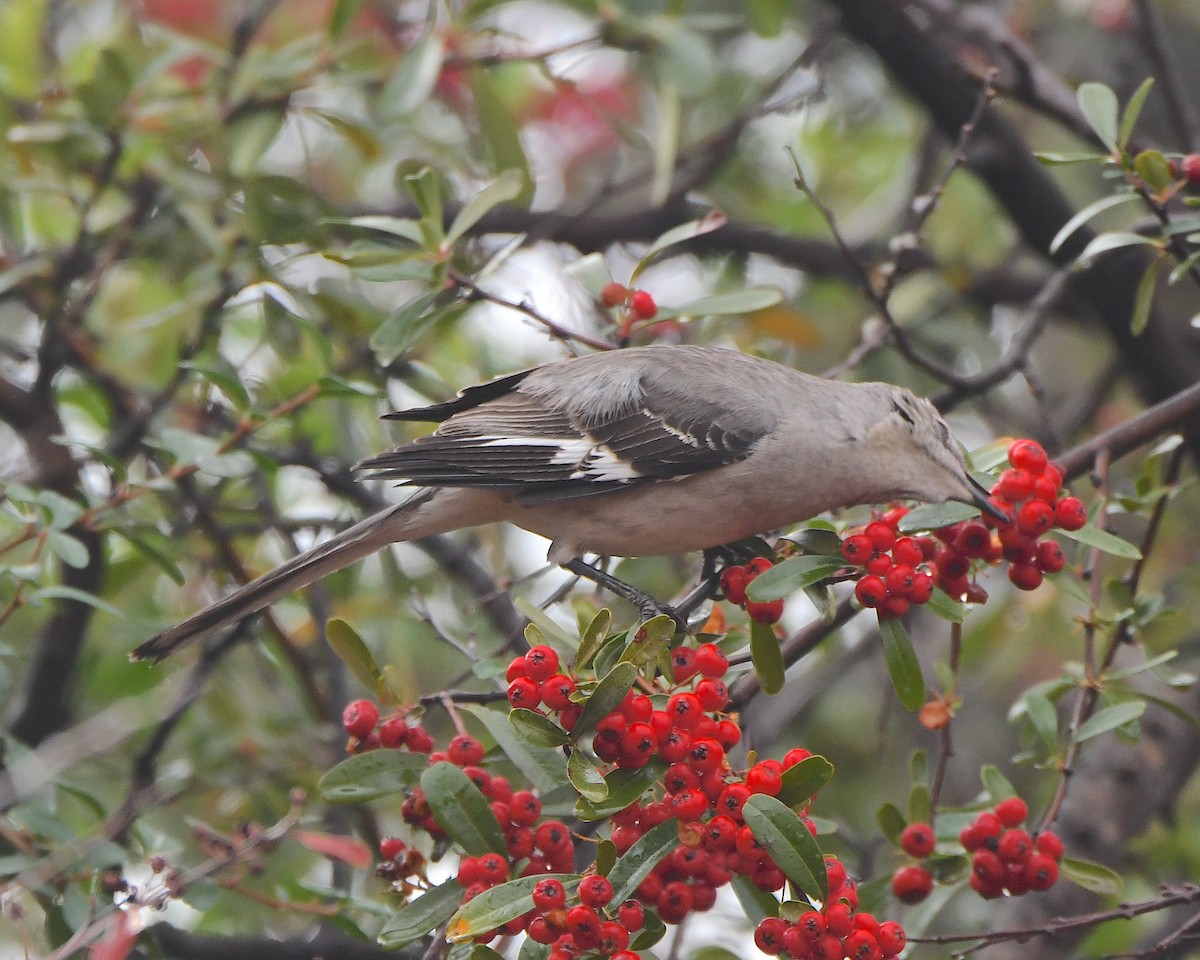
<point>585,778</point>
<point>539,730</point>
<point>920,803</point>
<point>67,548</point>
<point>461,810</point>
<point>1153,169</point>
<point>891,822</point>
<point>1115,241</point>
<point>594,636</point>
<point>1144,298</point>
<point>792,847</point>
<point>792,574</point>
<point>495,907</point>
<point>934,516</point>
<point>903,666</point>
<point>342,15</point>
<point>609,692</point>
<point>532,950</point>
<point>541,766</point>
<point>803,780</point>
<point>425,188</point>
<point>1103,540</point>
<point>224,379</point>
<point>941,604</point>
<point>996,783</point>
<point>404,227</point>
<point>1133,109</point>
<point>60,592</point>
<point>1055,158</point>
<point>353,652</point>
<point>669,116</point>
<point>1109,719</point>
<point>816,539</point>
<point>1183,268</point>
<point>505,188</point>
<point>648,641</point>
<point>767,657</point>
<point>402,328</point>
<point>756,904</point>
<point>733,302</point>
<point>1100,108</point>
<point>1043,717</point>
<point>371,775</point>
<point>713,220</point>
<point>606,857</point>
<point>1092,876</point>
<point>766,16</point>
<point>415,76</point>
<point>501,133</point>
<point>1086,214</point>
<point>624,787</point>
<point>421,916</point>
<point>640,860</point>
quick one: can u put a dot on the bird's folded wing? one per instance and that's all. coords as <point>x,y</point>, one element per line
<point>499,436</point>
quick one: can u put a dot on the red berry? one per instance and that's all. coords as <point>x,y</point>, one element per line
<point>1035,518</point>
<point>1050,557</point>
<point>879,565</point>
<point>765,612</point>
<point>907,551</point>
<point>683,664</point>
<point>1070,513</point>
<point>861,945</point>
<point>1049,843</point>
<point>1041,872</point>
<point>768,935</point>
<point>1014,485</point>
<point>839,918</point>
<point>541,662</point>
<point>583,922</point>
<point>921,590</point>
<point>685,710</point>
<point>492,868</point>
<point>1025,576</point>
<point>1189,166</point>
<point>464,751</point>
<point>595,891</point>
<point>757,565</point>
<point>524,692</point>
<point>951,564</point>
<point>631,915</point>
<point>713,694</point>
<point>710,661</point>
<point>393,732</point>
<point>1046,486</point>
<point>552,836</point>
<point>794,756</point>
<point>900,579</point>
<point>613,294</point>
<point>870,591</point>
<point>918,840</point>
<point>764,778</point>
<point>733,583</point>
<point>881,535</point>
<point>638,743</point>
<point>1011,811</point>
<point>857,549</point>
<point>524,808</point>
<point>988,867</point>
<point>642,304</point>
<point>706,754</point>
<point>1027,455</point>
<point>1014,846</point>
<point>516,668</point>
<point>892,937</point>
<point>391,847</point>
<point>974,538</point>
<point>835,874</point>
<point>419,740</point>
<point>556,691</point>
<point>688,805</point>
<point>613,938</point>
<point>732,799</point>
<point>912,884</point>
<point>359,718</point>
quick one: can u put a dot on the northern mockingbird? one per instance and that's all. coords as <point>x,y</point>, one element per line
<point>644,451</point>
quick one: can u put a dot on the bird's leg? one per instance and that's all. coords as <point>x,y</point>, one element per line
<point>710,581</point>
<point>646,605</point>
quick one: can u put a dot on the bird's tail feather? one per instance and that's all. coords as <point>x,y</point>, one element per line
<point>405,521</point>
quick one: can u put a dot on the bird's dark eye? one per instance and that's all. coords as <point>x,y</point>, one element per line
<point>904,414</point>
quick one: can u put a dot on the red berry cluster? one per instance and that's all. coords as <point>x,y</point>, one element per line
<point>734,581</point>
<point>593,925</point>
<point>636,304</point>
<point>903,570</point>
<point>834,932</point>
<point>1004,857</point>
<point>361,720</point>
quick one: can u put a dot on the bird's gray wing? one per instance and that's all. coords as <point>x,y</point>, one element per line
<point>497,435</point>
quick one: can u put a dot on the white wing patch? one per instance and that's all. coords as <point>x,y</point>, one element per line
<point>587,459</point>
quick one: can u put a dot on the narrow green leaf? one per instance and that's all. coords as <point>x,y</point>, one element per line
<point>891,822</point>
<point>609,692</point>
<point>539,730</point>
<point>792,847</point>
<point>62,592</point>
<point>1052,157</point>
<point>404,227</point>
<point>1103,540</point>
<point>1100,108</point>
<point>1109,719</point>
<point>816,539</point>
<point>606,857</point>
<point>934,516</point>
<point>920,803</point>
<point>541,766</point>
<point>593,638</point>
<point>426,190</point>
<point>792,574</point>
<point>802,781</point>
<point>419,917</point>
<point>1133,109</point>
<point>1115,241</point>
<point>1154,170</point>
<point>941,604</point>
<point>481,951</point>
<point>353,652</point>
<point>461,810</point>
<point>713,220</point>
<point>67,548</point>
<point>669,103</point>
<point>648,641</point>
<point>1143,300</point>
<point>756,904</point>
<point>1086,214</point>
<point>532,950</point>
<point>1183,268</point>
<point>652,931</point>
<point>402,328</point>
<point>624,787</point>
<point>996,783</point>
<point>903,666</point>
<point>505,188</point>
<point>767,657</point>
<point>1151,664</point>
<point>371,775</point>
<point>733,302</point>
<point>500,130</point>
<point>415,76</point>
<point>640,860</point>
<point>1043,717</point>
<point>585,778</point>
<point>495,907</point>
<point>1092,876</point>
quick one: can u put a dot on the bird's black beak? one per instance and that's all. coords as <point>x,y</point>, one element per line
<point>982,497</point>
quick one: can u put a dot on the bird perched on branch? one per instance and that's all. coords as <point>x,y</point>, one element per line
<point>645,451</point>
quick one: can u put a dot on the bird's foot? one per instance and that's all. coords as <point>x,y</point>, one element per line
<point>647,606</point>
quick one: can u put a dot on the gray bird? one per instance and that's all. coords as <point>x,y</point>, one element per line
<point>645,451</point>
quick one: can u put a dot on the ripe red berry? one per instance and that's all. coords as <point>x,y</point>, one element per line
<point>1027,455</point>
<point>835,874</point>
<point>631,915</point>
<point>861,945</point>
<point>1014,846</point>
<point>921,590</point>
<point>1035,518</point>
<point>857,549</point>
<point>595,891</point>
<point>492,869</point>
<point>1011,811</point>
<point>359,718</point>
<point>892,937</point>
<point>552,836</point>
<point>710,661</point>
<point>757,565</point>
<point>1070,513</point>
<point>1189,166</point>
<point>881,535</point>
<point>713,694</point>
<point>419,740</point>
<point>764,778</point>
<point>768,611</point>
<point>683,664</point>
<point>464,751</point>
<point>685,710</point>
<point>1025,576</point>
<point>1014,485</point>
<point>974,538</point>
<point>768,935</point>
<point>688,805</point>
<point>794,756</point>
<point>1049,843</point>
<point>907,551</point>
<point>583,922</point>
<point>912,884</point>
<point>613,294</point>
<point>706,754</point>
<point>1046,486</point>
<point>870,591</point>
<point>393,732</point>
<point>541,662</point>
<point>391,847</point>
<point>556,691</point>
<point>524,692</point>
<point>732,799</point>
<point>733,584</point>
<point>642,304</point>
<point>918,840</point>
<point>1041,872</point>
<point>1050,557</point>
<point>516,668</point>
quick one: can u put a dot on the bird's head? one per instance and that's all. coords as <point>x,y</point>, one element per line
<point>919,457</point>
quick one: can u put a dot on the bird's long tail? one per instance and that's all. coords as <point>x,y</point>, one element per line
<point>424,515</point>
